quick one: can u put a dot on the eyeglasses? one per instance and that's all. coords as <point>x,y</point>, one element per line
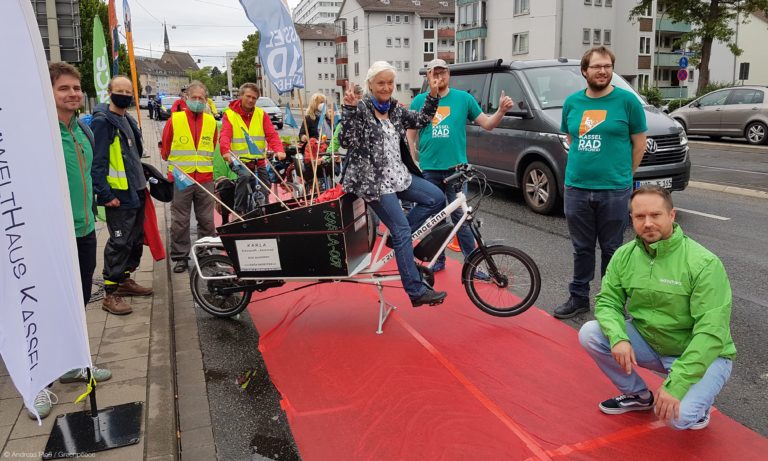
<point>604,67</point>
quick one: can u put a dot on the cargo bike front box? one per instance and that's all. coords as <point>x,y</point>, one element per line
<point>324,240</point>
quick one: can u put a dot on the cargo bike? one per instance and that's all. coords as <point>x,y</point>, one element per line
<point>336,241</point>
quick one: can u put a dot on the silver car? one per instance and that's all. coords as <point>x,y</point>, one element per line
<point>739,111</point>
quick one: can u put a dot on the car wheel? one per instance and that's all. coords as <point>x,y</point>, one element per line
<point>539,188</point>
<point>756,133</point>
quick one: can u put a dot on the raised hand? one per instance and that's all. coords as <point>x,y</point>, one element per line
<point>349,95</point>
<point>434,83</point>
<point>505,103</point>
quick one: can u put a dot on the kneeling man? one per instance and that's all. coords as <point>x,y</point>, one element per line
<point>679,299</point>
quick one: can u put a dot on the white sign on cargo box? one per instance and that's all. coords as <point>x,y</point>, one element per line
<point>258,255</point>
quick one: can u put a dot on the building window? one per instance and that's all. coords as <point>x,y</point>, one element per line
<point>690,75</point>
<point>331,58</point>
<point>429,47</point>
<point>645,45</point>
<point>397,19</point>
<point>586,34</point>
<point>521,7</point>
<point>647,12</point>
<point>598,2</point>
<point>520,43</point>
<point>399,87</point>
<point>326,76</point>
<point>406,86</point>
<point>355,47</point>
<point>325,60</point>
<point>357,69</point>
<point>354,23</point>
<point>398,42</point>
<point>596,36</point>
<point>643,81</point>
<point>429,24</point>
<point>407,19</point>
<point>587,2</point>
<point>607,37</point>
<point>332,76</point>
<point>389,41</point>
<point>406,65</point>
<point>389,19</point>
<point>608,3</point>
<point>319,60</point>
<point>319,76</point>
<point>406,43</point>
<point>318,44</point>
<point>398,65</point>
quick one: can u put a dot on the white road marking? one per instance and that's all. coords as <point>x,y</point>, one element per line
<point>731,169</point>
<point>706,215</point>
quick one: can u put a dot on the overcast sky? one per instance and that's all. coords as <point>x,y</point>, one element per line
<point>207,29</point>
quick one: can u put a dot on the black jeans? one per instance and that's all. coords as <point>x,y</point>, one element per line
<point>122,253</point>
<point>86,256</point>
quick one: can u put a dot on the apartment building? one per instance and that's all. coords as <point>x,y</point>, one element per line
<point>316,11</point>
<point>750,37</point>
<point>647,48</point>
<point>318,46</point>
<point>406,33</point>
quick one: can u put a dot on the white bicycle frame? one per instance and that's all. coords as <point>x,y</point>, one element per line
<point>366,271</point>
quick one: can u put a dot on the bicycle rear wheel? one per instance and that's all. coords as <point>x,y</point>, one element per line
<point>208,294</point>
<point>504,284</point>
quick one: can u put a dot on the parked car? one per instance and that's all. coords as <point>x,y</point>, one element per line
<point>164,111</point>
<point>221,103</point>
<point>739,111</point>
<point>143,103</point>
<point>528,151</point>
<point>270,107</point>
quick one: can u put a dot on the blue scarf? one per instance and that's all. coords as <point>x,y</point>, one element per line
<point>382,107</point>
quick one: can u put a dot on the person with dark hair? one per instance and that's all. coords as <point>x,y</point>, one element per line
<point>679,299</point>
<point>120,186</point>
<point>606,132</point>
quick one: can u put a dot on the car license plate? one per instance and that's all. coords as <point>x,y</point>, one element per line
<point>666,183</point>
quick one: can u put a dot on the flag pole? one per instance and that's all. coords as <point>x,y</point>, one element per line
<point>207,191</point>
<point>307,146</point>
<point>301,169</point>
<point>259,179</point>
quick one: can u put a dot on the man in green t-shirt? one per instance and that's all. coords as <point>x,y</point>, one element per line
<point>443,145</point>
<point>606,130</point>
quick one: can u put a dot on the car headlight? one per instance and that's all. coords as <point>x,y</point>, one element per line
<point>683,136</point>
<point>564,142</point>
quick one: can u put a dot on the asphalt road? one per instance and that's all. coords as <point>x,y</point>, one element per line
<point>248,424</point>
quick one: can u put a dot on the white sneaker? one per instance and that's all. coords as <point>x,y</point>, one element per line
<point>43,403</point>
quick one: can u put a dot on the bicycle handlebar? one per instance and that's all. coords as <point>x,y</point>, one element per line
<point>461,170</point>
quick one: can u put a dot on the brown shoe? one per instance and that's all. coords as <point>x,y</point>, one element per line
<point>129,287</point>
<point>114,304</point>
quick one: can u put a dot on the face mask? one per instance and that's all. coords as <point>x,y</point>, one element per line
<point>123,101</point>
<point>196,106</point>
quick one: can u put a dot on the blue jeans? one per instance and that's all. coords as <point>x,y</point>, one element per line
<point>696,401</point>
<point>594,216</point>
<point>466,239</point>
<point>429,200</point>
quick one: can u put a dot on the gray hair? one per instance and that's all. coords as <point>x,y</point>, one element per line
<point>194,84</point>
<point>377,68</point>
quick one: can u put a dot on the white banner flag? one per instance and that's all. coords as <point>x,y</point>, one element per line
<point>42,320</point>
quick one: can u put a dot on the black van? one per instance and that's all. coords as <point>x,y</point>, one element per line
<point>528,151</point>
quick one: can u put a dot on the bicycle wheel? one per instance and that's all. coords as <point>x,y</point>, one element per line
<point>505,284</point>
<point>207,293</point>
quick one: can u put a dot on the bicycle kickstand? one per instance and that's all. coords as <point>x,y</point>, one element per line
<point>384,308</point>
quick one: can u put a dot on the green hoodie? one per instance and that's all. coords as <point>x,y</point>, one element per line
<point>680,302</point>
<point>78,157</point>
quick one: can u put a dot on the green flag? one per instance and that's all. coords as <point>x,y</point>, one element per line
<point>100,61</point>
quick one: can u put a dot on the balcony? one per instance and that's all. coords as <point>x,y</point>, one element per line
<point>447,56</point>
<point>446,32</point>
<point>674,92</point>
<point>666,25</point>
<point>469,34</point>
<point>664,59</point>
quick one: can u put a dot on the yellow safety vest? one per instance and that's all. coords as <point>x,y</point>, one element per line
<point>116,177</point>
<point>183,152</point>
<point>256,131</point>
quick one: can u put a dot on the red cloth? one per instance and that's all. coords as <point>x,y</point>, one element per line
<point>196,126</point>
<point>330,194</point>
<point>152,237</point>
<point>179,105</point>
<point>225,142</point>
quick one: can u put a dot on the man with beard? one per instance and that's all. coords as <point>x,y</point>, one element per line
<point>443,144</point>
<point>606,131</point>
<point>679,299</point>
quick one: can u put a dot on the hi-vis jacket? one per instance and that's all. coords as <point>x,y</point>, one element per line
<point>680,301</point>
<point>183,152</point>
<point>239,145</point>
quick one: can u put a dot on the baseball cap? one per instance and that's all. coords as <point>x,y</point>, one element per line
<point>437,63</point>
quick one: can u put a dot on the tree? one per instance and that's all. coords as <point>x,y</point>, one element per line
<point>244,65</point>
<point>215,72</point>
<point>88,10</point>
<point>214,83</point>
<point>710,20</point>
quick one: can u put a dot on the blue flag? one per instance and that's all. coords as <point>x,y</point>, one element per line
<point>322,117</point>
<point>288,117</point>
<point>253,149</point>
<point>279,45</point>
<point>181,180</point>
<point>336,116</point>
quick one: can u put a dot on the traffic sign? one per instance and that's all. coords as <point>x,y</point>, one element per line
<point>683,62</point>
<point>682,75</point>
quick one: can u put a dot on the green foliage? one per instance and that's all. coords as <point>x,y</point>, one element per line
<point>678,103</point>
<point>653,96</point>
<point>214,83</point>
<point>710,20</point>
<point>244,65</point>
<point>88,10</point>
<point>712,86</point>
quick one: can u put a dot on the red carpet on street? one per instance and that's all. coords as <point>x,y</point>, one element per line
<point>453,383</point>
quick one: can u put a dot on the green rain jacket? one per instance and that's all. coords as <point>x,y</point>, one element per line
<point>680,301</point>
<point>78,157</point>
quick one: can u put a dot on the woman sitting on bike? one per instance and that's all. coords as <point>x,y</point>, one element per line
<point>318,121</point>
<point>381,171</point>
